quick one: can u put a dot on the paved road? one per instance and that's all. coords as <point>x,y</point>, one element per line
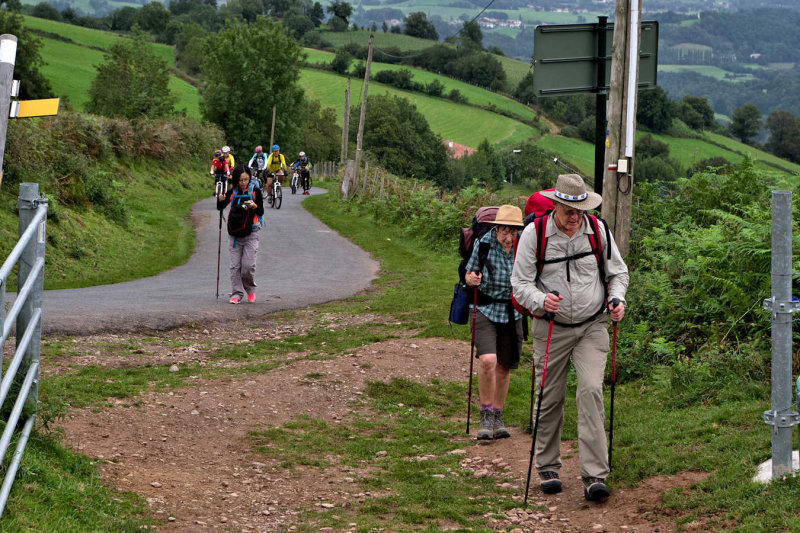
<point>300,262</point>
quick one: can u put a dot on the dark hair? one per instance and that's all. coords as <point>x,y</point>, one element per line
<point>237,172</point>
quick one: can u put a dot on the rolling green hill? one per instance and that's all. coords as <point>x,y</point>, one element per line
<point>70,63</point>
<point>474,95</point>
<point>462,124</point>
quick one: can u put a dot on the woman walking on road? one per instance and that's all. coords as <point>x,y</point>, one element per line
<point>244,221</point>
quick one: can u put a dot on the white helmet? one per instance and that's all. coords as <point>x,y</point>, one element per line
<point>226,149</point>
<point>302,154</point>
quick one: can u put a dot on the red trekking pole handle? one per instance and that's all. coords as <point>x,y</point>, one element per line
<point>613,305</point>
<point>551,318</point>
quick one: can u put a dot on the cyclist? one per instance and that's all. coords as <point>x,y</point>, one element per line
<point>258,163</point>
<point>276,165</point>
<point>303,164</point>
<point>219,167</point>
<point>226,150</point>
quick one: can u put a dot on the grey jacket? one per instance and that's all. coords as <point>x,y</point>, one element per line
<point>583,293</point>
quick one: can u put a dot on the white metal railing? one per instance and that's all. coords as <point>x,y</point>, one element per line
<point>26,313</point>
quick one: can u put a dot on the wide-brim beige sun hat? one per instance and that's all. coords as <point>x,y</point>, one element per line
<point>571,190</point>
<point>509,215</point>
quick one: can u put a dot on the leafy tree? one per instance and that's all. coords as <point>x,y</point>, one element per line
<point>471,34</point>
<point>784,135</point>
<point>649,146</point>
<point>400,138</point>
<point>531,165</point>
<point>524,91</point>
<point>43,10</point>
<point>654,110</point>
<point>239,96</point>
<point>745,122</point>
<point>123,19</point>
<point>341,11</point>
<point>298,24</point>
<point>695,112</point>
<point>341,61</point>
<point>485,166</point>
<point>153,17</point>
<point>321,133</point>
<point>69,16</point>
<point>417,25</point>
<point>384,27</point>
<point>189,47</point>
<point>33,84</point>
<point>132,81</point>
<point>316,14</point>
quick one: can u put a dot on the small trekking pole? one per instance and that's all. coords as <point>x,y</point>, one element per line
<point>614,304</point>
<point>218,189</point>
<point>551,316</point>
<point>471,355</point>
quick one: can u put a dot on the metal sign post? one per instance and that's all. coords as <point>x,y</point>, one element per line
<point>573,59</point>
<point>781,417</point>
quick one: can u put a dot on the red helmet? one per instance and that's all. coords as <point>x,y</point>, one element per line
<point>258,149</point>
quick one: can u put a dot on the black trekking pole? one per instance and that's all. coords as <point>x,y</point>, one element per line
<point>551,316</point>
<point>472,354</point>
<point>614,304</point>
<point>219,190</point>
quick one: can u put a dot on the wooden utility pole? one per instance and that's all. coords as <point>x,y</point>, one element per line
<point>346,127</point>
<point>359,137</point>
<point>618,174</point>
<point>272,131</point>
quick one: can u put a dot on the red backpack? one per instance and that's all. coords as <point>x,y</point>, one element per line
<point>481,224</point>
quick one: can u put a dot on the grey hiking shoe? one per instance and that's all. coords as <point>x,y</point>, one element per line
<point>549,482</point>
<point>500,431</point>
<point>487,422</point>
<point>594,489</point>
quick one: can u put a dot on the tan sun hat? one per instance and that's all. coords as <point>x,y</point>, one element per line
<point>508,215</point>
<point>571,190</point>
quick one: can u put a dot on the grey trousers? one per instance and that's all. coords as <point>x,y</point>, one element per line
<point>588,345</point>
<point>243,264</point>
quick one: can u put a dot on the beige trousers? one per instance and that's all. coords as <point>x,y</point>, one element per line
<point>588,345</point>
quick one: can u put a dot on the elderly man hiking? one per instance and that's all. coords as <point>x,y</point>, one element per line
<point>567,268</point>
<point>498,327</point>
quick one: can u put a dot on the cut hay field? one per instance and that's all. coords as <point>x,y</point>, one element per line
<point>515,69</point>
<point>708,70</point>
<point>474,95</point>
<point>580,154</point>
<point>90,37</point>
<point>462,124</point>
<point>71,68</point>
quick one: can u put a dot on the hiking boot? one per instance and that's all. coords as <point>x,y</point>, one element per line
<point>549,482</point>
<point>251,298</point>
<point>486,430</point>
<point>594,489</point>
<point>233,300</point>
<point>500,431</point>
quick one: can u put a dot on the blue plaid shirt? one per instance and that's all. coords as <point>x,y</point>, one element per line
<point>498,284</point>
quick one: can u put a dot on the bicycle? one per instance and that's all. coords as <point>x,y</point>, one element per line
<point>295,179</point>
<point>275,199</point>
<point>220,180</point>
<point>258,174</point>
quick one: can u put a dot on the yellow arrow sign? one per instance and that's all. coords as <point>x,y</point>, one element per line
<point>34,108</point>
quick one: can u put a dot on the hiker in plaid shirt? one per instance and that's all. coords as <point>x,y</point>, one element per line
<point>498,327</point>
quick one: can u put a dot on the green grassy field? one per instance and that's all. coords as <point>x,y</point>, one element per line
<point>404,42</point>
<point>758,155</point>
<point>462,124</point>
<point>580,154</point>
<point>71,69</point>
<point>515,70</point>
<point>90,37</point>
<point>708,70</point>
<point>474,95</point>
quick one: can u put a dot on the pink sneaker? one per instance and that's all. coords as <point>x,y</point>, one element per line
<point>251,298</point>
<point>233,300</point>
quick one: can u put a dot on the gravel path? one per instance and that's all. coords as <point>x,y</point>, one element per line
<point>300,262</point>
